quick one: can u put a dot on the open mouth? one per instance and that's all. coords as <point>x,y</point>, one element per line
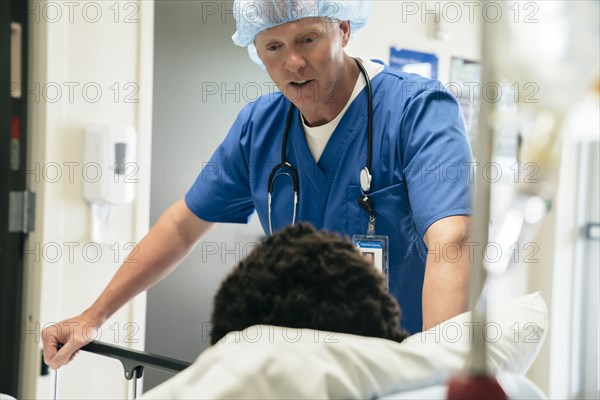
<point>300,84</point>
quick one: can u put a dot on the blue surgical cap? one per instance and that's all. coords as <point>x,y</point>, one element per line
<point>254,16</point>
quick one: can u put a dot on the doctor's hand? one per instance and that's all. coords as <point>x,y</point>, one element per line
<point>63,340</point>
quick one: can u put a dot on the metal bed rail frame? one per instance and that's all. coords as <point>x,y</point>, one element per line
<point>133,361</point>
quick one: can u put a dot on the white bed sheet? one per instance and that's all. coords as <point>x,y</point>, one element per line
<point>278,363</point>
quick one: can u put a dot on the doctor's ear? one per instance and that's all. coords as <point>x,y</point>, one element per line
<point>344,26</point>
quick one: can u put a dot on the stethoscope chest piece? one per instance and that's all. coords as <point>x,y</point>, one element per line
<point>365,180</point>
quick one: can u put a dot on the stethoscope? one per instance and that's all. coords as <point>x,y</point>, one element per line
<point>365,202</point>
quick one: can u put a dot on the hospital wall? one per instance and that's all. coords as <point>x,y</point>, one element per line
<point>92,66</point>
<point>413,26</point>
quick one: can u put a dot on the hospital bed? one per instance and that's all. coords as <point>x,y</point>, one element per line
<point>271,362</point>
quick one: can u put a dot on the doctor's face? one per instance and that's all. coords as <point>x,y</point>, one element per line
<point>307,62</point>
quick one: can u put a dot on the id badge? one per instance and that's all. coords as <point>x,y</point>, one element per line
<point>374,248</point>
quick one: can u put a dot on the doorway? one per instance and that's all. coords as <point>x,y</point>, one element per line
<point>13,200</point>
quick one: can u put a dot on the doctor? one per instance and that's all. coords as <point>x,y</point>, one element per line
<point>349,144</point>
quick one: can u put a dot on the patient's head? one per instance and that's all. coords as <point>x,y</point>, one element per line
<point>302,278</point>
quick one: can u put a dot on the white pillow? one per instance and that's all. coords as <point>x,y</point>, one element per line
<point>274,362</point>
<point>514,333</point>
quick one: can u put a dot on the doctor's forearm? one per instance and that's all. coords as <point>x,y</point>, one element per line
<point>446,270</point>
<point>444,289</point>
<point>158,253</point>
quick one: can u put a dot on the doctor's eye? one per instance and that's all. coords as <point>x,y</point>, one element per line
<point>308,39</point>
<point>273,47</point>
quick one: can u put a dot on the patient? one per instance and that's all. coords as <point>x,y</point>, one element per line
<point>306,279</point>
<point>302,278</point>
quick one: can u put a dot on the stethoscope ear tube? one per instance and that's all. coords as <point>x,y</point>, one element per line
<point>284,164</point>
<point>291,172</point>
<point>269,197</point>
<point>288,122</point>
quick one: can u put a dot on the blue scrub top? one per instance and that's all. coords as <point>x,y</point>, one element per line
<point>421,171</point>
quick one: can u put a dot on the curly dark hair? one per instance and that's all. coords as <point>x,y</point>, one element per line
<point>302,278</point>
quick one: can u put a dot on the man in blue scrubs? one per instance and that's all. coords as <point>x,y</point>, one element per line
<point>420,167</point>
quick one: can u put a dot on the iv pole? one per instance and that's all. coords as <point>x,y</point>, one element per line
<point>477,384</point>
<point>521,57</point>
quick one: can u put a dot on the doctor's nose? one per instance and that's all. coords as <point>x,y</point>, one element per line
<point>294,61</point>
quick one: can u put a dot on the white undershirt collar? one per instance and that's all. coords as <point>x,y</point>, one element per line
<point>318,136</point>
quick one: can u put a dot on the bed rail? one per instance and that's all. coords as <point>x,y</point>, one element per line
<point>134,361</point>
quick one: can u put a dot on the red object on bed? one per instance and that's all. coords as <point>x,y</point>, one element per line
<point>467,387</point>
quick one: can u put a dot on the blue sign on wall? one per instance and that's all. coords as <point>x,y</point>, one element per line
<point>424,64</point>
